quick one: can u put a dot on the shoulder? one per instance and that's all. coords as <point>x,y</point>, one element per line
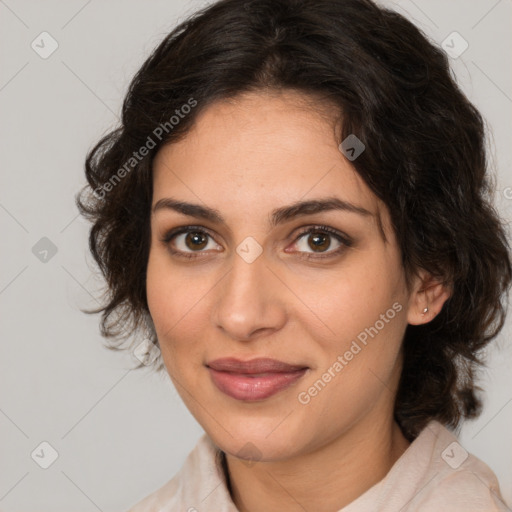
<point>453,477</point>
<point>465,490</point>
<point>193,482</point>
<point>434,474</point>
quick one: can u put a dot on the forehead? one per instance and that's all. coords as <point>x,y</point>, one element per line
<point>260,149</point>
<point>265,137</point>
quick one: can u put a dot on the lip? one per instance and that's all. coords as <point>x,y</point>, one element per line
<point>253,380</point>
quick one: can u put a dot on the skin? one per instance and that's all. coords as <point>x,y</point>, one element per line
<point>244,158</point>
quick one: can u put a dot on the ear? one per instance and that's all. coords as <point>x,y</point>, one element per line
<point>428,292</point>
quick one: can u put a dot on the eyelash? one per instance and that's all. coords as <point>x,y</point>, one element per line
<point>343,239</point>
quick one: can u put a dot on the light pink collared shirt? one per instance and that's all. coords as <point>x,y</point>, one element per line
<point>434,474</point>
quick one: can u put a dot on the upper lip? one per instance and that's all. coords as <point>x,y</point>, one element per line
<point>259,365</point>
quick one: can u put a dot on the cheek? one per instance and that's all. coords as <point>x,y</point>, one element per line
<point>343,301</point>
<point>177,307</point>
<point>161,293</point>
<point>359,366</point>
<point>363,312</point>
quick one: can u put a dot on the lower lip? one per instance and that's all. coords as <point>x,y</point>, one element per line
<point>247,388</point>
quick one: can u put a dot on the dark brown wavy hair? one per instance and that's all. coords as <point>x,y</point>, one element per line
<point>425,158</point>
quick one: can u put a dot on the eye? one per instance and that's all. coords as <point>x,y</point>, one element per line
<point>188,240</point>
<point>191,241</point>
<point>319,240</point>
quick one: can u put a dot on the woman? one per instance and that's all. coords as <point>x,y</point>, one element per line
<point>295,210</point>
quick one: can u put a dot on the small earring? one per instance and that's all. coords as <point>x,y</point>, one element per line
<point>425,310</point>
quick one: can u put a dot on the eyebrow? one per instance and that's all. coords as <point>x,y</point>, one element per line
<point>277,216</point>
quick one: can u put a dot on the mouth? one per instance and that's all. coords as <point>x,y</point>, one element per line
<point>253,380</point>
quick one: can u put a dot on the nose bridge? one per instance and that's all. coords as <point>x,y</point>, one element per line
<point>246,302</point>
<point>246,278</point>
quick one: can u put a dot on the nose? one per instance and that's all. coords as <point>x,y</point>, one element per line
<point>249,301</point>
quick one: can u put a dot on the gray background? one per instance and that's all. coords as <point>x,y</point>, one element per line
<point>119,433</point>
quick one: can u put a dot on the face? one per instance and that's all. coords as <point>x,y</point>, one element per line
<point>316,288</point>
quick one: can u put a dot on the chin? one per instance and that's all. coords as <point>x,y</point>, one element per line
<point>257,438</point>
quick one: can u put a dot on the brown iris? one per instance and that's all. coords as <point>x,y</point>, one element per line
<point>197,240</point>
<point>320,241</point>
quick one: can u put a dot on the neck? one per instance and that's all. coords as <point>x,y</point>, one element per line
<point>343,469</point>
